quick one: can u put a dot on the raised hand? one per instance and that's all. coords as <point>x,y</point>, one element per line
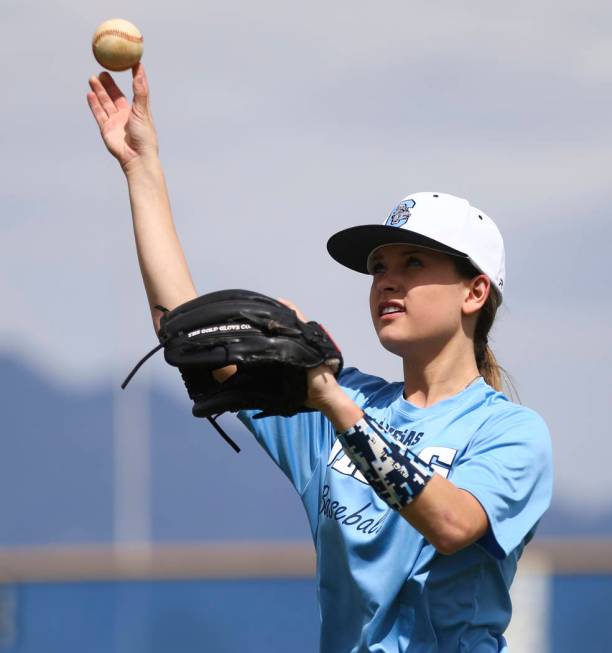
<point>127,130</point>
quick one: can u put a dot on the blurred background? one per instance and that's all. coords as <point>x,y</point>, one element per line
<point>280,123</point>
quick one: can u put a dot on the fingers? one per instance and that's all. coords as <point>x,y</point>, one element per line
<point>96,108</point>
<point>108,95</point>
<point>140,86</point>
<point>113,91</point>
<point>293,307</point>
<point>223,374</point>
<point>104,100</point>
<point>94,102</point>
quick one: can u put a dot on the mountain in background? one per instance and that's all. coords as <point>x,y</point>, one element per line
<point>56,472</point>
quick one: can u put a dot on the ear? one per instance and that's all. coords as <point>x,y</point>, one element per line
<point>477,291</point>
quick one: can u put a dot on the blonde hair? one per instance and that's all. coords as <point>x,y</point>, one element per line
<point>492,372</point>
<point>485,358</point>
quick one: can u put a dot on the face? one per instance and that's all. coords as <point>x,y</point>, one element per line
<point>417,297</point>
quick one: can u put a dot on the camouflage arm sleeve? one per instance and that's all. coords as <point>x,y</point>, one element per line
<point>396,476</point>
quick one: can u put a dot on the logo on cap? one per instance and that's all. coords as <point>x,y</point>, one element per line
<point>400,214</point>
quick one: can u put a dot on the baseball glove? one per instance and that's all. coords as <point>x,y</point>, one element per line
<point>270,346</point>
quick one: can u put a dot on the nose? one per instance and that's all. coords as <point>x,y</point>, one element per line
<point>387,281</point>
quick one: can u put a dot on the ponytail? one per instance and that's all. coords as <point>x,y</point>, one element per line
<point>491,371</point>
<point>486,362</point>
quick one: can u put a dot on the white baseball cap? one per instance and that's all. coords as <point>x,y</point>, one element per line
<point>437,221</point>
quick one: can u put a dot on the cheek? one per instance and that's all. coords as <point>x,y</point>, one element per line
<point>438,307</point>
<point>373,303</point>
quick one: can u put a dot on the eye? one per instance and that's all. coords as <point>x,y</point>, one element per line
<point>414,262</point>
<point>376,268</point>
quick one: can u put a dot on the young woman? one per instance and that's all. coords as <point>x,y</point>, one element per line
<point>420,494</point>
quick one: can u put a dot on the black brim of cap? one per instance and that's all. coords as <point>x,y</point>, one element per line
<point>351,247</point>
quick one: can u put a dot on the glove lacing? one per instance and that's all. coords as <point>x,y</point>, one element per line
<point>212,420</point>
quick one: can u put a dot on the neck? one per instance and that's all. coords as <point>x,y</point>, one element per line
<point>432,377</point>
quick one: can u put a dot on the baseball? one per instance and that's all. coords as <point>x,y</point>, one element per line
<point>117,44</point>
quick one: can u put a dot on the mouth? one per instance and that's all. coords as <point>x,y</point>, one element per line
<point>390,310</point>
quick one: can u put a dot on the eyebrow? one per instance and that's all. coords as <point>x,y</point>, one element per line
<point>405,252</point>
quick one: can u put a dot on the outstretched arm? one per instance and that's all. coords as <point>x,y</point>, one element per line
<point>129,134</point>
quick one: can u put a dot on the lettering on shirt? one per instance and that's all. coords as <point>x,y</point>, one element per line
<point>407,438</point>
<point>358,519</point>
<point>440,458</point>
<point>341,463</point>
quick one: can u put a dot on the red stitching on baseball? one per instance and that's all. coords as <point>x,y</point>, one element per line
<point>117,32</point>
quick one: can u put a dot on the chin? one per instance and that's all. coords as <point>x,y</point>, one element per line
<point>395,345</point>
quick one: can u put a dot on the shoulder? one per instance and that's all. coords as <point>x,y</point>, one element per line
<point>509,422</point>
<point>363,388</point>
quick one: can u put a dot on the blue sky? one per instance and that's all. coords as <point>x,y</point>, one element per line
<point>281,123</point>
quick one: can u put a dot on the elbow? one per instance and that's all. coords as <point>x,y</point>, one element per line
<point>449,518</point>
<point>452,539</point>
<point>455,530</point>
<point>448,545</point>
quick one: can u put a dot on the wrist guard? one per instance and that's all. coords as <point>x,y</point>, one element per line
<point>398,477</point>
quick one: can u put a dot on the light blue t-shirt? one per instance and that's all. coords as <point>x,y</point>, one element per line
<point>382,586</point>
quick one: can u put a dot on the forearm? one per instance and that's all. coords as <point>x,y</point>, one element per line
<point>340,409</point>
<point>448,517</point>
<point>163,266</point>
